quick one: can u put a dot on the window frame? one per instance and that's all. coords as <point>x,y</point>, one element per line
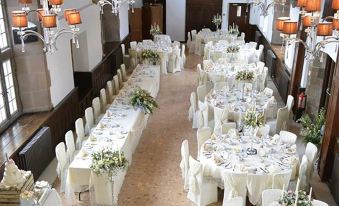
<point>7,54</point>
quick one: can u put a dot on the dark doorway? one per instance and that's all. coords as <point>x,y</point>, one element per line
<point>199,13</point>
<point>239,15</point>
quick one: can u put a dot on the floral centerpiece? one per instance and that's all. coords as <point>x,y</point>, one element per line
<point>312,129</point>
<point>233,49</point>
<point>253,118</point>
<point>108,162</point>
<point>155,29</point>
<point>143,100</point>
<point>288,199</point>
<point>150,55</point>
<point>245,75</point>
<point>233,30</point>
<point>217,20</point>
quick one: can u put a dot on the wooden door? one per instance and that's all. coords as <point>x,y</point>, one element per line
<point>136,24</point>
<point>239,15</point>
<point>199,14</point>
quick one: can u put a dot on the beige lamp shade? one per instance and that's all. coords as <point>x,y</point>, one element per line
<point>301,3</point>
<point>74,18</point>
<point>313,5</point>
<point>49,20</point>
<point>335,4</point>
<point>290,27</point>
<point>335,24</point>
<point>25,1</point>
<point>68,11</point>
<point>19,19</point>
<point>56,2</point>
<point>40,13</point>
<point>279,24</point>
<point>308,20</point>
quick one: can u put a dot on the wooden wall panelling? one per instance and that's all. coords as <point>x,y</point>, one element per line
<point>327,153</point>
<point>242,21</point>
<point>199,13</point>
<point>136,24</point>
<point>163,3</point>
<point>151,13</point>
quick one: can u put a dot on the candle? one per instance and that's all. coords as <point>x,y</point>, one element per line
<point>310,195</point>
<point>296,199</point>
<point>297,193</point>
<point>120,156</point>
<point>297,187</point>
<point>282,192</point>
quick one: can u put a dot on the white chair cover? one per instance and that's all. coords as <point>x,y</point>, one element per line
<point>202,75</point>
<point>235,186</point>
<point>80,131</point>
<point>268,91</point>
<point>183,57</point>
<point>89,120</point>
<point>193,112</point>
<point>281,121</point>
<point>174,61</point>
<point>101,190</point>
<point>126,57</point>
<point>319,203</point>
<point>236,201</point>
<point>311,153</point>
<point>184,164</point>
<point>288,137</point>
<point>198,46</point>
<point>303,173</point>
<point>133,58</point>
<point>103,99</point>
<point>220,117</point>
<point>201,94</point>
<point>69,139</point>
<point>256,184</point>
<point>225,127</point>
<point>119,73</point>
<point>110,91</point>
<point>53,199</point>
<point>133,44</point>
<point>203,134</point>
<point>61,156</point>
<point>200,192</point>
<point>123,72</point>
<point>164,62</point>
<point>270,196</point>
<point>281,180</point>
<point>290,104</point>
<point>116,84</point>
<point>264,130</point>
<point>96,109</point>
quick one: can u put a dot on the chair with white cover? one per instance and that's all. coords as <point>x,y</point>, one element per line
<point>192,45</point>
<point>235,186</point>
<point>103,99</point>
<point>97,109</point>
<point>69,139</point>
<point>270,196</point>
<point>52,199</point>
<point>119,73</point>
<point>80,131</point>
<point>319,203</point>
<point>236,201</point>
<point>123,72</point>
<point>207,114</point>
<point>268,91</point>
<point>201,192</point>
<point>225,127</point>
<point>110,91</point>
<point>259,52</point>
<point>281,180</point>
<point>189,41</point>
<point>61,156</point>
<point>174,61</point>
<point>287,137</point>
<point>124,55</point>
<point>201,94</point>
<point>303,177</point>
<point>256,184</point>
<point>253,44</point>
<point>264,130</point>
<point>280,123</point>
<point>202,75</point>
<point>203,134</point>
<point>184,164</point>
<point>89,117</point>
<point>116,84</point>
<point>290,104</point>
<point>220,117</point>
<point>198,46</point>
<point>133,58</point>
<point>133,44</point>
<point>101,190</point>
<point>193,110</point>
<point>183,56</point>
<point>163,61</point>
<point>311,153</point>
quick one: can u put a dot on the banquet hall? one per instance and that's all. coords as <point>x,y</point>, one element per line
<point>169,102</point>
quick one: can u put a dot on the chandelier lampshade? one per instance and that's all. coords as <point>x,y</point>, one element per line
<point>313,5</point>
<point>308,20</point>
<point>49,21</point>
<point>335,4</point>
<point>68,11</point>
<point>301,3</point>
<point>56,2</point>
<point>74,18</point>
<point>335,24</point>
<point>290,27</point>
<point>25,1</point>
<point>324,29</point>
<point>19,19</point>
<point>279,24</point>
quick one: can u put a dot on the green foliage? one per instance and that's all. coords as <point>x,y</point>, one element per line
<point>232,49</point>
<point>143,100</point>
<point>289,197</point>
<point>244,76</point>
<point>311,129</point>
<point>253,118</point>
<point>150,55</point>
<point>107,161</point>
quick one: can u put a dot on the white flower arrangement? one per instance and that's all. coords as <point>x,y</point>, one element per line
<point>217,20</point>
<point>155,29</point>
<point>233,30</point>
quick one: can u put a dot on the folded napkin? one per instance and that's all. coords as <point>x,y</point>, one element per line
<point>217,159</point>
<point>213,137</point>
<point>208,147</point>
<point>92,138</point>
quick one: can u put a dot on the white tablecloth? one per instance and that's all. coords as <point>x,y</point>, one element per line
<point>120,128</point>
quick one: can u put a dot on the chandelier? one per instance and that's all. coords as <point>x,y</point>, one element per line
<point>115,4</point>
<point>265,6</point>
<point>48,16</point>
<point>314,27</point>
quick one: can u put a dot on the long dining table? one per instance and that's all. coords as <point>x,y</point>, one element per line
<point>119,129</point>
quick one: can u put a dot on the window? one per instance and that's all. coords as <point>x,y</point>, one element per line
<point>9,104</point>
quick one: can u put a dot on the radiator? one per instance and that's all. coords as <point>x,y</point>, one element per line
<point>37,153</point>
<point>271,63</point>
